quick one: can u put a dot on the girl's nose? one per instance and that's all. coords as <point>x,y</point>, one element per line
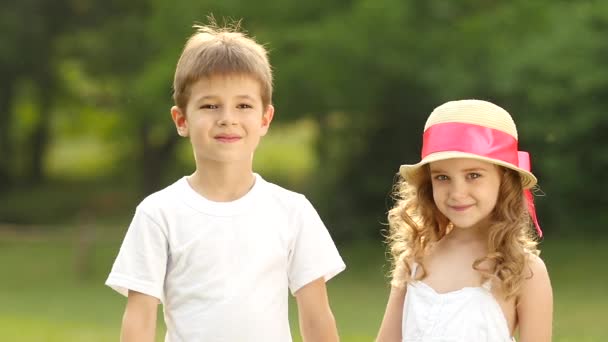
<point>458,189</point>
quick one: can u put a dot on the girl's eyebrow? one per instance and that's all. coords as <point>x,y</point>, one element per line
<point>474,169</point>
<point>437,171</point>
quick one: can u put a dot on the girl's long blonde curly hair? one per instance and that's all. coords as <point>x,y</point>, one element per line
<point>415,224</point>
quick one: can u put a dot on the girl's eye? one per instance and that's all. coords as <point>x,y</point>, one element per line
<point>474,175</point>
<point>441,177</point>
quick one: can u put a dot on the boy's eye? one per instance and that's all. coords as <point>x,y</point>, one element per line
<point>208,106</point>
<point>244,106</point>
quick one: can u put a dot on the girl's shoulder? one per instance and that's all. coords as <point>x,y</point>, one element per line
<point>535,302</point>
<point>536,279</point>
<point>534,266</point>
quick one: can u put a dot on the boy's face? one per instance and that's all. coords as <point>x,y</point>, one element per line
<point>465,190</point>
<point>224,118</point>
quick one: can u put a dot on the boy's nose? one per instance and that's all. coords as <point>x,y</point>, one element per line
<point>226,118</point>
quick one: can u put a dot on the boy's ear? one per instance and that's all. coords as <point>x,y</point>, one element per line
<point>267,117</point>
<point>179,118</point>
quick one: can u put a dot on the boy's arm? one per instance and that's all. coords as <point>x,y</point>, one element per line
<point>390,329</point>
<point>317,323</point>
<point>139,320</point>
<point>535,304</point>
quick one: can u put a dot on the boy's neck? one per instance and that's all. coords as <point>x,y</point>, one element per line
<point>222,183</point>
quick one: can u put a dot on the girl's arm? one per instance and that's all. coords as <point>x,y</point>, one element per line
<point>139,320</point>
<point>535,304</point>
<point>317,322</point>
<point>390,330</point>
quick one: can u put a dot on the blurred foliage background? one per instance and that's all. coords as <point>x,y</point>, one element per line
<point>85,130</point>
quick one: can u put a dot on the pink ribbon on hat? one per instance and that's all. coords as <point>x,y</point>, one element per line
<point>524,163</point>
<point>482,141</point>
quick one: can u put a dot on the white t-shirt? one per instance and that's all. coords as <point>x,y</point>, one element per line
<point>223,269</point>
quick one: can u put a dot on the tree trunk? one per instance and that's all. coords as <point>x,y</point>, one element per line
<point>6,122</point>
<point>40,137</point>
<point>154,159</point>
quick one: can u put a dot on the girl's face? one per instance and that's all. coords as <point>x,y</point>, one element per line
<point>465,190</point>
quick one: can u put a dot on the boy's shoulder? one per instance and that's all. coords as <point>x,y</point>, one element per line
<point>288,199</point>
<point>278,191</point>
<point>163,198</point>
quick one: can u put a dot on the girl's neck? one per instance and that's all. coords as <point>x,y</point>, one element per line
<point>222,182</point>
<point>477,233</point>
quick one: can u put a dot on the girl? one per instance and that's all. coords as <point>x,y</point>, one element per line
<point>466,266</point>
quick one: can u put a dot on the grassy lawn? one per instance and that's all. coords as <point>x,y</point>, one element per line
<point>45,298</point>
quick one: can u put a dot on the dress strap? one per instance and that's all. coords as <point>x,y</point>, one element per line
<point>487,284</point>
<point>414,268</point>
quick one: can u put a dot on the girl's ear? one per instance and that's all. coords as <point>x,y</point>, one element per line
<point>180,121</point>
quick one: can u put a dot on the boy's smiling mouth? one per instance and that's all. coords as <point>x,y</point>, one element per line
<point>227,138</point>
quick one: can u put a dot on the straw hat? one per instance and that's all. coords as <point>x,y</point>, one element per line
<point>472,129</point>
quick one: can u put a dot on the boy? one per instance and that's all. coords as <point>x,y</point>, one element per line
<point>220,248</point>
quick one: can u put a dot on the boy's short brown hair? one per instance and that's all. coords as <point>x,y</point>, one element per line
<point>221,51</point>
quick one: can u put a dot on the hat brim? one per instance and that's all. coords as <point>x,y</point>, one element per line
<point>528,180</point>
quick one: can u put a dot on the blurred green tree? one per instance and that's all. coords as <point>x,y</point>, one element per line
<point>368,71</point>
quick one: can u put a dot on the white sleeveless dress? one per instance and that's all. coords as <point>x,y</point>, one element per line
<point>470,314</point>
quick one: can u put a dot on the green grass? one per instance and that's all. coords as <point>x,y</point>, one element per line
<point>53,204</point>
<point>53,291</point>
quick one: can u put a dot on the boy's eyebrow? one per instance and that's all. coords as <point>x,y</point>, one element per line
<point>215,97</point>
<point>206,97</point>
<point>245,97</point>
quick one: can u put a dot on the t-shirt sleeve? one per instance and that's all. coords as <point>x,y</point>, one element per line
<point>313,254</point>
<point>142,260</point>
